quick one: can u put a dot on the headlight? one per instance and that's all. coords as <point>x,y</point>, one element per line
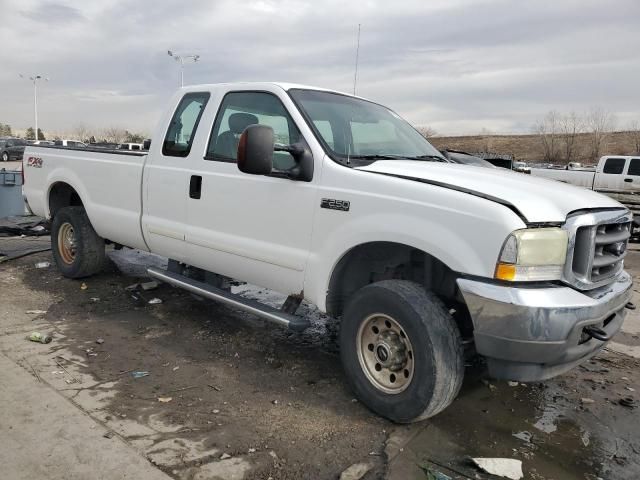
<point>533,254</point>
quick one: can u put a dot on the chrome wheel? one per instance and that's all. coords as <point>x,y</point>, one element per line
<point>385,353</point>
<point>67,243</point>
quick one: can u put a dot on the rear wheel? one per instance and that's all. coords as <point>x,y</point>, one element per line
<point>5,157</point>
<point>401,350</point>
<point>77,249</point>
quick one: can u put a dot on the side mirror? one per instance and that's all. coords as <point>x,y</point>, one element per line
<point>146,145</point>
<point>255,150</point>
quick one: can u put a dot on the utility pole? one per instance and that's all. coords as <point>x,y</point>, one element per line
<point>181,59</point>
<point>355,75</point>
<point>35,79</point>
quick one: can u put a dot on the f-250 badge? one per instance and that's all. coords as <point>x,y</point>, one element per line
<point>35,162</point>
<point>333,204</point>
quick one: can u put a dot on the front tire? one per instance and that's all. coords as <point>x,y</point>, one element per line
<point>77,249</point>
<point>401,351</point>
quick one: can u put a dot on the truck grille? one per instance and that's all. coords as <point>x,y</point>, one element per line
<point>597,247</point>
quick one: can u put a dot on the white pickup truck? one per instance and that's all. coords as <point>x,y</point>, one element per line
<point>334,199</point>
<point>614,173</point>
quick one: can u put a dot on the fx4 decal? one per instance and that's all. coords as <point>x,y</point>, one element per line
<point>333,204</point>
<point>35,162</point>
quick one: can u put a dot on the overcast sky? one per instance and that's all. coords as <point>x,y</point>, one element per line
<point>456,65</point>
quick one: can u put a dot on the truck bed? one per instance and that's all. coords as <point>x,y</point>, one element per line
<point>580,178</point>
<point>108,182</point>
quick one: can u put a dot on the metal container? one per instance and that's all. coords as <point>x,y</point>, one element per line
<point>11,201</point>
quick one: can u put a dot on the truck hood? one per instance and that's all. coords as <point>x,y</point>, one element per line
<point>537,199</point>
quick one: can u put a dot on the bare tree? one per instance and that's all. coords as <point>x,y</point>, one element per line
<point>427,131</point>
<point>114,134</point>
<point>547,130</point>
<point>486,140</point>
<point>634,130</point>
<point>599,124</point>
<point>569,126</point>
<point>81,132</point>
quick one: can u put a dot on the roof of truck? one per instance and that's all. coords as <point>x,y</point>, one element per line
<point>258,85</point>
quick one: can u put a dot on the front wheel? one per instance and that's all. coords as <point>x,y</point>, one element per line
<point>401,350</point>
<point>77,249</point>
<point>5,157</point>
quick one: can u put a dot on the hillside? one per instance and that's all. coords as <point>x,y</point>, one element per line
<point>528,148</point>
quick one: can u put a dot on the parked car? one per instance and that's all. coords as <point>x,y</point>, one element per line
<point>70,143</point>
<point>40,142</point>
<point>355,212</point>
<point>456,156</point>
<point>11,148</point>
<point>521,167</point>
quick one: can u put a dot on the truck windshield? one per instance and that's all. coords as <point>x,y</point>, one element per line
<point>356,132</point>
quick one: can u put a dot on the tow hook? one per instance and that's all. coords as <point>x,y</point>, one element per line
<point>630,306</point>
<point>597,333</point>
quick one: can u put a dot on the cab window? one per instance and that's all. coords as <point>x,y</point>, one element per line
<point>614,166</point>
<point>183,126</point>
<point>240,110</point>
<point>634,167</point>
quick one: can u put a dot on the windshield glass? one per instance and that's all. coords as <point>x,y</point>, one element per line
<point>356,132</point>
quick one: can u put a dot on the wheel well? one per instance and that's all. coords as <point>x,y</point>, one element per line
<point>375,261</point>
<point>63,195</point>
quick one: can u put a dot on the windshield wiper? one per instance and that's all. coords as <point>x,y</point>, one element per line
<point>427,157</point>
<point>379,157</point>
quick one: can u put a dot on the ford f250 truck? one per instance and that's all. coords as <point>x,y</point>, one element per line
<point>336,200</point>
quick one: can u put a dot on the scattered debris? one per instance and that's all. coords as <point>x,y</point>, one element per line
<point>631,389</point>
<point>252,450</point>
<point>524,436</point>
<point>175,368</point>
<point>83,286</point>
<point>139,374</point>
<point>73,379</point>
<point>95,299</point>
<point>146,286</point>
<point>43,265</point>
<point>512,384</point>
<point>587,400</point>
<point>224,456</point>
<point>36,312</point>
<point>628,402</point>
<point>108,434</point>
<point>155,301</point>
<point>40,337</point>
<point>217,389</point>
<point>503,467</point>
<point>433,474</point>
<point>130,288</point>
<point>100,341</point>
<point>215,411</point>
<point>356,471</point>
<point>275,402</point>
<point>33,370</point>
<point>165,399</point>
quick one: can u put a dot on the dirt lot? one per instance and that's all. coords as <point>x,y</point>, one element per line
<point>227,396</point>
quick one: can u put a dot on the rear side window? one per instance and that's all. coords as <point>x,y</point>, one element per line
<point>183,126</point>
<point>634,167</point>
<point>614,166</point>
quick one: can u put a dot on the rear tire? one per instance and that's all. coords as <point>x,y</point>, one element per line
<point>401,351</point>
<point>5,157</point>
<point>77,249</point>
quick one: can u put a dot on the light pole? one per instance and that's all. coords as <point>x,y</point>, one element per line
<point>35,79</point>
<point>181,59</point>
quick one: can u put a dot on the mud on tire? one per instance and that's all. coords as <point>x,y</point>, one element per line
<point>401,326</point>
<point>77,249</point>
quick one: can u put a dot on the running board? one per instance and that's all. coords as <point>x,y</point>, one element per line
<point>208,291</point>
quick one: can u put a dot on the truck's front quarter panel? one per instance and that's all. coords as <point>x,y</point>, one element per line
<point>464,232</point>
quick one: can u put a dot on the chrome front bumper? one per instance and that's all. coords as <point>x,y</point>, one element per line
<point>534,333</point>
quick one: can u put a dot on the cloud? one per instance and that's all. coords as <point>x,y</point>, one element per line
<point>458,65</point>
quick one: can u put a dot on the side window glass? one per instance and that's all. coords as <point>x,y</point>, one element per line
<point>634,167</point>
<point>183,126</point>
<point>242,109</point>
<point>324,128</point>
<point>614,166</point>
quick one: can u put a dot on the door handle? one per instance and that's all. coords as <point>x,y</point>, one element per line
<point>195,187</point>
<point>628,180</point>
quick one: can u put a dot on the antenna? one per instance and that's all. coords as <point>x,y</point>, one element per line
<point>355,75</point>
